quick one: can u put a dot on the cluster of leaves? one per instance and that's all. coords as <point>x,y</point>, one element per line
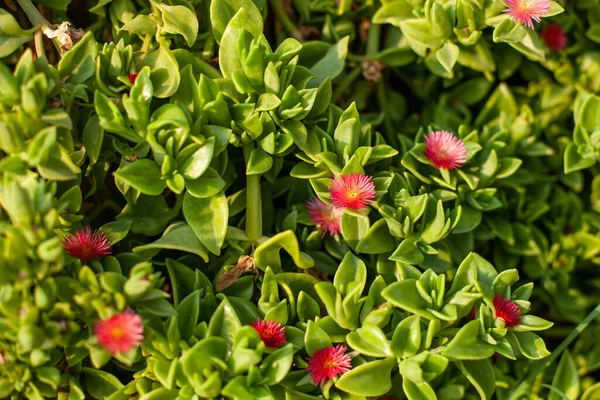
<point>198,177</point>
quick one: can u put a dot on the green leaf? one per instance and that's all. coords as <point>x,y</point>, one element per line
<point>116,231</point>
<point>277,365</point>
<point>466,345</point>
<point>141,25</point>
<point>531,345</point>
<point>224,323</point>
<point>406,340</point>
<point>267,254</point>
<point>149,216</point>
<point>11,35</point>
<point>164,71</point>
<point>208,219</point>
<point>447,55</point>
<point>405,295</point>
<point>188,311</point>
<point>354,228</point>
<point>394,12</point>
<point>178,236</point>
<point>229,60</point>
<point>418,391</point>
<point>481,375</point>
<point>100,384</point>
<point>370,341</point>
<point>259,162</point>
<point>555,9</point>
<point>208,185</point>
<point>378,239</point>
<point>369,379</point>
<point>143,175</point>
<point>332,64</point>
<point>222,12</point>
<point>111,118</point>
<point>178,20</point>
<point>79,64</point>
<point>532,323</point>
<point>197,163</point>
<point>93,135</point>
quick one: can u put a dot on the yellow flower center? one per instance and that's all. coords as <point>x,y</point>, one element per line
<point>117,332</point>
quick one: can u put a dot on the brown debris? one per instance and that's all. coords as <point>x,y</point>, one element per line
<point>226,279</point>
<point>372,70</point>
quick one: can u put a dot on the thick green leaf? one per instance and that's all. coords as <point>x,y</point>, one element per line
<point>143,175</point>
<point>11,34</point>
<point>208,218</point>
<point>369,379</point>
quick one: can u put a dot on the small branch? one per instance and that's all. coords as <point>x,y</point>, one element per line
<point>345,83</point>
<point>543,364</point>
<point>253,201</point>
<point>209,70</point>
<point>373,41</point>
<point>39,44</point>
<point>35,17</point>
<point>288,25</point>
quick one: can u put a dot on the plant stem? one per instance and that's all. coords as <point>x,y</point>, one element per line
<point>373,41</point>
<point>345,5</point>
<point>209,70</point>
<point>32,13</point>
<point>345,83</point>
<point>287,24</point>
<point>253,201</point>
<point>390,135</point>
<point>542,364</point>
<point>39,44</point>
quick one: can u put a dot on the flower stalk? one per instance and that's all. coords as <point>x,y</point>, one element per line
<point>543,364</point>
<point>253,201</point>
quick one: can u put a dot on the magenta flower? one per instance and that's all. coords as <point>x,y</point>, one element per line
<point>445,150</point>
<point>507,311</point>
<point>326,217</point>
<point>87,245</point>
<point>120,333</point>
<point>271,333</point>
<point>354,191</point>
<point>132,77</point>
<point>554,36</point>
<point>527,11</point>
<point>328,363</point>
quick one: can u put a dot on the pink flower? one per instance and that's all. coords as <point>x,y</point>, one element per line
<point>132,77</point>
<point>271,333</point>
<point>445,150</point>
<point>507,311</point>
<point>353,191</point>
<point>328,363</point>
<point>120,333</point>
<point>326,217</point>
<point>554,37</point>
<point>87,245</point>
<point>527,11</point>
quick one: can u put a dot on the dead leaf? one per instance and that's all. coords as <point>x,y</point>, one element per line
<point>226,279</point>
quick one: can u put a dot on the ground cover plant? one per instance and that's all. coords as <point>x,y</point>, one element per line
<point>299,199</point>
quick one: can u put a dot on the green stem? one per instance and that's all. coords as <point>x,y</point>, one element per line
<point>253,202</point>
<point>390,134</point>
<point>288,25</point>
<point>99,209</point>
<point>32,13</point>
<point>542,364</point>
<point>345,5</point>
<point>209,70</point>
<point>373,41</point>
<point>39,44</point>
<point>345,83</point>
